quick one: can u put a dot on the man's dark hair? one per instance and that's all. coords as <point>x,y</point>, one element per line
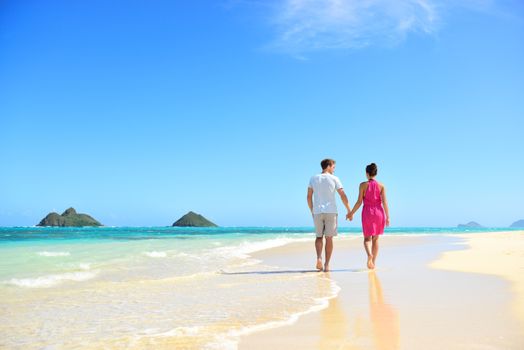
<point>326,162</point>
<point>372,169</point>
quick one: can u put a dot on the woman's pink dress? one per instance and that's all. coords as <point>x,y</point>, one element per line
<point>373,218</point>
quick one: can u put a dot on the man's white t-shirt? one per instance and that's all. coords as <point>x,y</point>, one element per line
<point>324,188</point>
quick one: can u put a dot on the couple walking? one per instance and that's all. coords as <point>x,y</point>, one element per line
<point>322,204</point>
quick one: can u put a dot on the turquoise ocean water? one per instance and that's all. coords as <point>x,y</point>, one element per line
<point>29,253</point>
<point>134,286</point>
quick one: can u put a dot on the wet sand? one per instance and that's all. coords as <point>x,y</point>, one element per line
<point>427,292</point>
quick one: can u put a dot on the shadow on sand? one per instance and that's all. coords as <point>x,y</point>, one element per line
<point>288,272</point>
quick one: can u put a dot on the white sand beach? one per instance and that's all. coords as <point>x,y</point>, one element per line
<point>428,292</point>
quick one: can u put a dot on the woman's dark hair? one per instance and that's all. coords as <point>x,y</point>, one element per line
<point>326,162</point>
<point>372,169</point>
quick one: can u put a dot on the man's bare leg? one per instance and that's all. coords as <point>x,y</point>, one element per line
<point>318,246</point>
<point>329,251</point>
<point>374,248</point>
<point>367,246</point>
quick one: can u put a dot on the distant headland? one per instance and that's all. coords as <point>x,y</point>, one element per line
<point>69,218</point>
<point>192,219</point>
<point>519,223</point>
<point>471,224</point>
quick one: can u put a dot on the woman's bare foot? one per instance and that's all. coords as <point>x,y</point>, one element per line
<point>326,268</point>
<point>319,264</point>
<point>371,264</point>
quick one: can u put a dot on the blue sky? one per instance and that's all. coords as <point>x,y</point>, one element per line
<point>137,112</point>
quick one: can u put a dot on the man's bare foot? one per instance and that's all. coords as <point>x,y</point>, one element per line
<point>371,265</point>
<point>326,268</point>
<point>319,264</point>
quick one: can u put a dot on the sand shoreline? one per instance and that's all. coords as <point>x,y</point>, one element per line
<point>499,253</point>
<point>422,295</point>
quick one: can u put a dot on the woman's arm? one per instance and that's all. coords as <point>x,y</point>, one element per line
<point>385,203</point>
<point>361,191</point>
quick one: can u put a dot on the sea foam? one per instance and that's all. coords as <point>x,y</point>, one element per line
<point>155,254</point>
<point>51,280</point>
<point>231,339</point>
<point>54,253</point>
<point>245,248</point>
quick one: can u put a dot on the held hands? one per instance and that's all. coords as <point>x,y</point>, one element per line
<point>349,216</point>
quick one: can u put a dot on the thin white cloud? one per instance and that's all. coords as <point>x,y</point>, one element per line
<point>310,25</point>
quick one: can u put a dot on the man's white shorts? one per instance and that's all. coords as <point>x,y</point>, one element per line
<point>326,224</point>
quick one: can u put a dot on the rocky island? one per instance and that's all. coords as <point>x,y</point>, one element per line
<point>471,224</point>
<point>69,218</point>
<point>192,219</point>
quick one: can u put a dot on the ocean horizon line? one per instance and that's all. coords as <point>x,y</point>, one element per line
<point>222,228</point>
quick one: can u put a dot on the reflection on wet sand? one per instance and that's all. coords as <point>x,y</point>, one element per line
<point>384,317</point>
<point>339,331</point>
<point>333,326</point>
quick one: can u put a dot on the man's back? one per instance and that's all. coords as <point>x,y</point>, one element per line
<point>324,187</point>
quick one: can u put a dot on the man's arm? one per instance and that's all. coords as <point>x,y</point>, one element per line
<point>310,199</point>
<point>344,199</point>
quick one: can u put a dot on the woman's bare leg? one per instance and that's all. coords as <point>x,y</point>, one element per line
<point>367,246</point>
<point>374,248</point>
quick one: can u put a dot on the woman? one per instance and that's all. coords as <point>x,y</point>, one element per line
<point>375,215</point>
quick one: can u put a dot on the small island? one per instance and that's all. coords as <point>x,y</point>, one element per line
<point>519,223</point>
<point>192,219</point>
<point>471,224</point>
<point>69,218</point>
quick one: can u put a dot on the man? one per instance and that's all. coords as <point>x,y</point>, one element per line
<point>322,204</point>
